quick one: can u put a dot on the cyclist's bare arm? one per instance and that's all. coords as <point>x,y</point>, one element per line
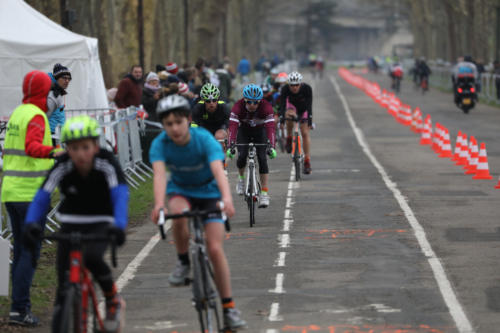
<point>223,184</point>
<point>159,187</point>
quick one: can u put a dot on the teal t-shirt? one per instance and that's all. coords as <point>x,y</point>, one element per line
<point>190,164</point>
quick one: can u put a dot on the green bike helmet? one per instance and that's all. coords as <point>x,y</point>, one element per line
<point>209,91</point>
<point>80,127</point>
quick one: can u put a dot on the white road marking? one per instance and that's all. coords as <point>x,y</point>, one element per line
<point>280,261</point>
<point>377,307</point>
<point>286,224</point>
<point>284,240</point>
<point>289,194</point>
<point>272,330</point>
<point>274,313</point>
<point>278,289</point>
<point>288,214</point>
<point>449,296</point>
<point>289,202</point>
<point>160,325</point>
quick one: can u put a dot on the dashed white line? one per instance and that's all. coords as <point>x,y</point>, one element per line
<point>278,289</point>
<point>288,214</point>
<point>280,261</point>
<point>286,224</point>
<point>289,202</point>
<point>274,313</point>
<point>284,240</point>
<point>449,296</point>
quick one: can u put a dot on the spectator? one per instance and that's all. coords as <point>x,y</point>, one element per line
<point>186,93</point>
<point>480,71</point>
<point>151,93</point>
<point>160,68</point>
<point>130,88</point>
<point>496,72</point>
<point>224,82</point>
<point>244,66</point>
<point>27,157</point>
<point>61,76</point>
<point>172,68</point>
<point>111,94</point>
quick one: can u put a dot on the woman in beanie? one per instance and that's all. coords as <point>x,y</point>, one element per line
<point>60,76</point>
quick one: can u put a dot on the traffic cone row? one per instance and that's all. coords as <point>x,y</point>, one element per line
<point>465,153</point>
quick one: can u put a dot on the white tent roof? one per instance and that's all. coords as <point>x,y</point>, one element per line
<point>29,40</point>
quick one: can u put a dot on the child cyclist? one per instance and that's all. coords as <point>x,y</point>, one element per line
<point>197,180</point>
<point>94,201</point>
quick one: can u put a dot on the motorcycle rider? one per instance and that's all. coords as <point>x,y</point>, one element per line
<point>464,72</point>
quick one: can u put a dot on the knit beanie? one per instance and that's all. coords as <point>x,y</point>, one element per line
<point>183,88</point>
<point>60,70</point>
<point>172,68</point>
<point>152,76</point>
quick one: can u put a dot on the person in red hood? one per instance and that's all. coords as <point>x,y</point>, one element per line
<point>27,156</point>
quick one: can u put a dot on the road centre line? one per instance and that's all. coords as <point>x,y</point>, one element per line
<point>286,224</point>
<point>288,214</point>
<point>284,240</point>
<point>278,289</point>
<point>280,261</point>
<point>449,296</point>
<point>274,313</point>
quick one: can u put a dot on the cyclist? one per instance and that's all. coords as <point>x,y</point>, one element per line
<point>396,74</point>
<point>197,180</point>
<point>210,112</point>
<point>296,101</point>
<point>252,120</point>
<point>94,200</point>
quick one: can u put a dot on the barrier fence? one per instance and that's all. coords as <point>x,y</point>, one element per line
<point>121,131</point>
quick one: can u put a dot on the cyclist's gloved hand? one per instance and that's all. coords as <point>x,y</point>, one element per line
<point>31,236</point>
<point>118,233</point>
<point>271,152</point>
<point>230,153</point>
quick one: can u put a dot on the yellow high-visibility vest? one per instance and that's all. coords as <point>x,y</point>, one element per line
<point>23,174</point>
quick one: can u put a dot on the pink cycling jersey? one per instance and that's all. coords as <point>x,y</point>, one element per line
<point>263,117</point>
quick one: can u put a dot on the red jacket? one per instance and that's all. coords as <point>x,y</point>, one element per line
<point>129,92</point>
<point>263,117</point>
<point>36,87</point>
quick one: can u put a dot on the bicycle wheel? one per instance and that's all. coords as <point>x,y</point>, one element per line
<point>251,196</point>
<point>72,311</point>
<point>296,160</point>
<point>205,296</point>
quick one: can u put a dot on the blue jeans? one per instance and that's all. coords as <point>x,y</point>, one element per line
<point>22,264</point>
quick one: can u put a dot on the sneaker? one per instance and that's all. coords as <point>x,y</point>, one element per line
<point>114,306</point>
<point>240,187</point>
<point>263,200</point>
<point>180,275</point>
<point>23,319</point>
<point>288,144</point>
<point>232,319</point>
<point>307,167</point>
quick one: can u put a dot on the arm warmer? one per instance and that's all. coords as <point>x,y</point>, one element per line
<point>38,208</point>
<point>119,199</point>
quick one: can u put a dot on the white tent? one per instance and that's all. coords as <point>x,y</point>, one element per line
<point>29,40</point>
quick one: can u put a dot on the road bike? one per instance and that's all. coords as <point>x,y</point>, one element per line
<point>252,185</point>
<point>79,289</point>
<point>205,294</point>
<point>297,154</point>
<point>280,137</point>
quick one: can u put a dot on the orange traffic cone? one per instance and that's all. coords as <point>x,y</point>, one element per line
<point>498,185</point>
<point>416,116</point>
<point>483,170</point>
<point>462,157</point>
<point>446,151</point>
<point>436,146</point>
<point>457,146</point>
<point>474,157</point>
<point>425,138</point>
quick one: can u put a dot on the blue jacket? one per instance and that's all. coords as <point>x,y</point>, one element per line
<point>58,116</point>
<point>244,67</point>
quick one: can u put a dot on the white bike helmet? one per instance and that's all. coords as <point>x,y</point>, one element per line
<point>170,103</point>
<point>294,78</point>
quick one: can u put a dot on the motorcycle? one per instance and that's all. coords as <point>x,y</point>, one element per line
<point>465,95</point>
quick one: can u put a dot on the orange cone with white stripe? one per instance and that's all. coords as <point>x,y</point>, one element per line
<point>425,138</point>
<point>498,185</point>
<point>436,139</point>
<point>456,152</point>
<point>416,120</point>
<point>446,151</point>
<point>474,157</point>
<point>483,170</point>
<point>462,156</point>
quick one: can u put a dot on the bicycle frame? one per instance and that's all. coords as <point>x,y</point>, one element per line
<point>251,188</point>
<point>297,154</point>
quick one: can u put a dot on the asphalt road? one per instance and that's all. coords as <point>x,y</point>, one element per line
<point>336,252</point>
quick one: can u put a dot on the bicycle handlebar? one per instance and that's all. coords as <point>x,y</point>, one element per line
<point>190,213</point>
<point>77,238</point>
